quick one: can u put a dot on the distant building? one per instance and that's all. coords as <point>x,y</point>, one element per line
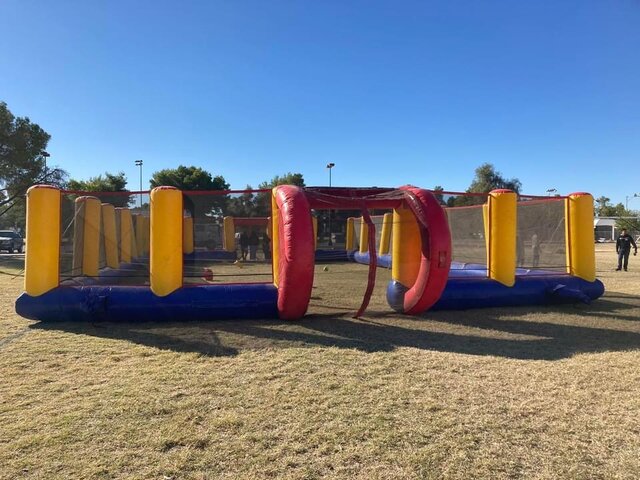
<point>605,229</point>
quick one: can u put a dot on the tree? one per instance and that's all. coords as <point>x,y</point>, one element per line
<point>21,147</point>
<point>195,178</point>
<point>287,179</point>
<point>108,183</point>
<point>630,220</point>
<point>439,196</point>
<point>486,179</point>
<point>603,208</point>
<point>188,178</point>
<point>263,200</point>
<point>13,209</point>
<point>242,205</point>
<point>631,224</point>
<point>22,164</point>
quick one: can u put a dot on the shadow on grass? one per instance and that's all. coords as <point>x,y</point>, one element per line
<point>11,264</point>
<point>540,333</point>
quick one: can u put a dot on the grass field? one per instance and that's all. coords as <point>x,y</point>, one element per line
<point>543,392</point>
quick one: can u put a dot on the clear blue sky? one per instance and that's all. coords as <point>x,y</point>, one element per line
<point>391,92</point>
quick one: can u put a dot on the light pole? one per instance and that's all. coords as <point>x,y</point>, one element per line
<point>45,155</point>
<point>550,191</point>
<point>139,164</point>
<point>330,167</point>
<point>626,200</point>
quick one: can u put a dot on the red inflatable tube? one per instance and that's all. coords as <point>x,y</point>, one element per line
<point>296,254</point>
<point>435,259</point>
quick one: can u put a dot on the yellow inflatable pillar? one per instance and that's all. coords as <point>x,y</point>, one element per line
<point>146,234</point>
<point>165,260</point>
<point>123,216</point>
<point>275,238</point>
<point>91,242</point>
<point>314,220</point>
<point>134,242</point>
<point>229,237</point>
<point>42,261</point>
<point>406,248</point>
<point>581,256</point>
<point>78,236</point>
<point>364,236</point>
<point>138,223</point>
<point>501,261</point>
<point>110,238</point>
<point>187,235</point>
<point>485,221</point>
<point>385,235</point>
<point>351,235</point>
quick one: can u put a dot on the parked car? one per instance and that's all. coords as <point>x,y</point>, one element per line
<point>11,241</point>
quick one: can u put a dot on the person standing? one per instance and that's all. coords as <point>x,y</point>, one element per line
<point>266,246</point>
<point>244,245</point>
<point>254,241</point>
<point>520,251</point>
<point>535,249</point>
<point>623,249</point>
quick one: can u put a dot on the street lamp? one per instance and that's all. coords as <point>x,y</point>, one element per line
<point>626,200</point>
<point>45,155</point>
<point>139,164</point>
<point>330,167</point>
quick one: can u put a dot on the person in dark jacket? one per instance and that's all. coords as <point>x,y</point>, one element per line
<point>266,246</point>
<point>244,245</point>
<point>254,241</point>
<point>623,248</point>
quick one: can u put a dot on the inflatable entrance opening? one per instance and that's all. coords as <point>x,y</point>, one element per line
<point>420,267</point>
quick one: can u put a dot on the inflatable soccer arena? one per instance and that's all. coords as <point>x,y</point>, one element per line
<point>173,255</point>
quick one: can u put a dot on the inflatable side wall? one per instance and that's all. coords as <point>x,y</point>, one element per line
<point>421,257</point>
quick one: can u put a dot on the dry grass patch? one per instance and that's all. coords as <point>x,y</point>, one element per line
<point>496,393</point>
<point>11,284</point>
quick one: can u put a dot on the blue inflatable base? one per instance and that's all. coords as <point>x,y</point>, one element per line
<point>471,290</point>
<point>322,256</point>
<point>327,256</point>
<point>537,289</point>
<point>139,304</point>
<point>467,287</point>
<point>384,261</point>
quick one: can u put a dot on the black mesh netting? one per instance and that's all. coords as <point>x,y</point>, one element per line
<point>227,237</point>
<point>378,222</point>
<point>466,223</point>
<point>107,239</point>
<point>339,281</point>
<point>541,237</point>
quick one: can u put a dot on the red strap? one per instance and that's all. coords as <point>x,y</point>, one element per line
<point>373,262</point>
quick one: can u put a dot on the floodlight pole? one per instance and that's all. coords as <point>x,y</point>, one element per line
<point>45,155</point>
<point>139,164</point>
<point>550,191</point>
<point>330,167</point>
<point>626,200</point>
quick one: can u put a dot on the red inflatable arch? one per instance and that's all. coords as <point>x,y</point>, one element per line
<point>412,290</point>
